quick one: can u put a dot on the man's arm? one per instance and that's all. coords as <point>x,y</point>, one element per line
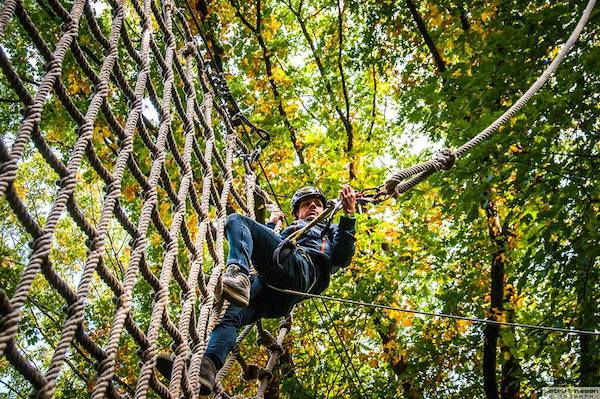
<point>343,241</point>
<point>342,245</point>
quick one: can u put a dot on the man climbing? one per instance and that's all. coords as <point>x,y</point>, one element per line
<point>320,251</point>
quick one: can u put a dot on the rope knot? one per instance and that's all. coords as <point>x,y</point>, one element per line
<point>188,50</point>
<point>286,323</point>
<point>265,339</point>
<point>251,372</point>
<point>264,374</point>
<point>445,159</point>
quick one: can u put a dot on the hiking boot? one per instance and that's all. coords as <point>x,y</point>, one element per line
<point>164,365</point>
<point>236,286</point>
<point>208,372</point>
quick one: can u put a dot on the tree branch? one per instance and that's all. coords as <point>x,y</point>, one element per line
<point>256,30</point>
<point>217,50</point>
<point>491,332</point>
<point>340,65</point>
<point>374,106</point>
<point>439,62</point>
<point>19,394</point>
<point>345,120</point>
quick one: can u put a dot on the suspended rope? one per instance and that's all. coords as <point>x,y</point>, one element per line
<point>408,178</point>
<point>186,93</point>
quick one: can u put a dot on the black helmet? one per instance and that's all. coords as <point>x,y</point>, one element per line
<point>305,192</point>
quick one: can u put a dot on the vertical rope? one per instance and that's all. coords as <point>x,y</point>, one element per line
<point>41,246</point>
<point>274,355</point>
<point>183,350</point>
<point>33,112</point>
<point>75,312</point>
<point>189,331</point>
<point>106,367</point>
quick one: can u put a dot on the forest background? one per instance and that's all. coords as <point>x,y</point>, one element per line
<point>351,91</point>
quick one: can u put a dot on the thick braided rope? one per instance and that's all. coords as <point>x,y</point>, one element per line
<point>208,316</point>
<point>106,369</point>
<point>214,308</point>
<point>250,185</point>
<point>274,355</point>
<point>398,184</point>
<point>9,323</point>
<point>36,231</point>
<point>8,8</point>
<point>183,350</point>
<point>33,112</point>
<point>231,358</point>
<point>104,272</point>
<point>161,299</point>
<point>76,310</point>
<point>14,357</point>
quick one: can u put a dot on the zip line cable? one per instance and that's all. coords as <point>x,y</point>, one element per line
<point>440,315</point>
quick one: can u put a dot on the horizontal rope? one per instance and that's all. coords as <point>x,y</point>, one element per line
<point>440,315</point>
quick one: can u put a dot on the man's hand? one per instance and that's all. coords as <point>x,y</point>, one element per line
<point>277,216</point>
<point>348,200</point>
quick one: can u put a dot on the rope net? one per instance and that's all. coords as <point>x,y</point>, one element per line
<point>141,107</point>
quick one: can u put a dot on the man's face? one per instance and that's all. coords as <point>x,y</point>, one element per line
<point>309,208</point>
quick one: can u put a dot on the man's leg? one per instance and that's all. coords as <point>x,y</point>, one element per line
<point>247,238</point>
<point>250,241</point>
<point>223,337</point>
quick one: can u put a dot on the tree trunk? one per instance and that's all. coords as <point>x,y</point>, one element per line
<point>511,369</point>
<point>437,58</point>
<point>589,361</point>
<point>399,364</point>
<point>510,386</point>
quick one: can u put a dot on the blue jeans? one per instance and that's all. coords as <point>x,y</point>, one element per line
<point>250,241</point>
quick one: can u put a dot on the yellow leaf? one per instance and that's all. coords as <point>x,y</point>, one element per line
<point>278,75</point>
<point>436,17</point>
<point>155,238</point>
<point>553,52</point>
<point>290,108</point>
<point>192,225</point>
<point>468,49</point>
<point>164,210</point>
<point>515,149</point>
<point>462,325</point>
<point>130,191</point>
<point>21,189</point>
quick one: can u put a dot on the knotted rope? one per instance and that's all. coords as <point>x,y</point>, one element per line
<point>398,183</point>
<point>181,65</point>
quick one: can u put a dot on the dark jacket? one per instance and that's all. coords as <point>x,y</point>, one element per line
<point>330,251</point>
